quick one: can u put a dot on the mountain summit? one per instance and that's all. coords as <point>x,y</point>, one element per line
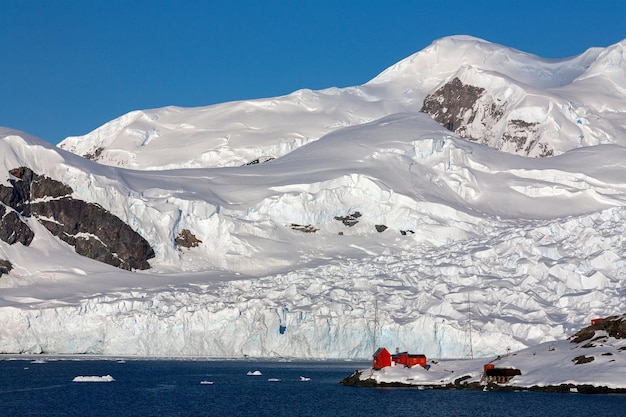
<point>470,196</point>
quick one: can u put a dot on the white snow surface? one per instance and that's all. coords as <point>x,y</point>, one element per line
<point>520,250</point>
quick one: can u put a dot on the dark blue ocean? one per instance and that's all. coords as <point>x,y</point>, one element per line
<point>173,388</point>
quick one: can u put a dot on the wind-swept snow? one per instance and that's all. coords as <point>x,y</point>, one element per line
<point>413,231</point>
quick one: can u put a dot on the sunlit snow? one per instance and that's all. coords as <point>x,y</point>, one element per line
<point>451,236</point>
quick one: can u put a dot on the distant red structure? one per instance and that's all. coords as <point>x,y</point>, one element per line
<point>594,321</point>
<point>382,359</point>
<point>409,360</point>
<point>493,375</point>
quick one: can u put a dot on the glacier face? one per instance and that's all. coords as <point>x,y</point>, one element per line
<point>513,287</point>
<point>452,239</point>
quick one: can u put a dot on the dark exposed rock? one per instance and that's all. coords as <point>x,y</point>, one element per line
<point>614,326</point>
<point>5,267</point>
<point>349,220</point>
<point>94,156</point>
<point>259,160</point>
<point>582,359</point>
<point>406,232</point>
<point>305,228</point>
<point>93,231</point>
<point>103,236</point>
<point>187,239</point>
<point>380,228</point>
<point>14,230</point>
<point>474,114</point>
<point>18,196</point>
<point>47,187</point>
<point>450,103</point>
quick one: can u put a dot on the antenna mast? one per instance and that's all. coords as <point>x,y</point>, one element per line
<point>375,324</point>
<point>469,350</point>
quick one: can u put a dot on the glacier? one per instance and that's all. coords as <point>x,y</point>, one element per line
<point>450,242</point>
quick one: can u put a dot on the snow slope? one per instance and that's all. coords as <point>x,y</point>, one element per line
<point>414,226</point>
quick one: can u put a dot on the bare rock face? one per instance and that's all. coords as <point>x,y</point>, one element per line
<point>614,326</point>
<point>452,106</point>
<point>93,231</point>
<point>349,220</point>
<point>186,239</point>
<point>475,114</point>
<point>5,267</point>
<point>13,229</point>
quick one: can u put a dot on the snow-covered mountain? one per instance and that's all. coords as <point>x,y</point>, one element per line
<point>326,223</point>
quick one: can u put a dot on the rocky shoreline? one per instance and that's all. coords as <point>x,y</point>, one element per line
<point>355,380</point>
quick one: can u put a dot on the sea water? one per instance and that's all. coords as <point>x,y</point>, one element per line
<point>147,387</point>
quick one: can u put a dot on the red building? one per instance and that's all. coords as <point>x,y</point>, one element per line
<point>382,358</point>
<point>409,360</point>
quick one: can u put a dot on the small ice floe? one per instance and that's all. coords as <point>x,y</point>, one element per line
<point>304,378</point>
<point>254,373</point>
<point>93,378</point>
<point>206,382</point>
<point>273,380</point>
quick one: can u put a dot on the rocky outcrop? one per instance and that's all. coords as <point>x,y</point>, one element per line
<point>94,232</point>
<point>304,228</point>
<point>474,113</point>
<point>90,229</point>
<point>186,239</point>
<point>380,228</point>
<point>13,229</point>
<point>614,326</point>
<point>95,155</point>
<point>452,106</point>
<point>260,160</point>
<point>349,220</point>
<point>5,267</point>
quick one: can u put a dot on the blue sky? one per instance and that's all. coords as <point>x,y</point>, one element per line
<point>67,67</point>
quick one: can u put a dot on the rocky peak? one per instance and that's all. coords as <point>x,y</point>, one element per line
<point>476,114</point>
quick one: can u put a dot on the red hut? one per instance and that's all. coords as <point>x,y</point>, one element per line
<point>409,360</point>
<point>382,358</point>
<point>594,321</point>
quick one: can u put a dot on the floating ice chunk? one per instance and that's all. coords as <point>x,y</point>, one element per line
<point>94,378</point>
<point>254,373</point>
